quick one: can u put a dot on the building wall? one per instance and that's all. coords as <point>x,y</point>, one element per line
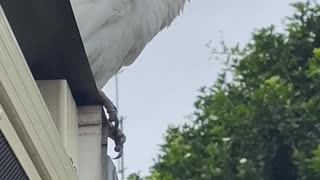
<point>27,111</point>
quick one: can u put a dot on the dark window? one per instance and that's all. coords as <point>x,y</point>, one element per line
<point>10,168</point>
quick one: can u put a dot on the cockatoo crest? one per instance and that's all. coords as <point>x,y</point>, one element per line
<point>115,32</point>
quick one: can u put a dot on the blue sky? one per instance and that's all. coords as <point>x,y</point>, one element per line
<point>160,87</point>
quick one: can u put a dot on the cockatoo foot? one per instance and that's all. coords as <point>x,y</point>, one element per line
<point>114,132</point>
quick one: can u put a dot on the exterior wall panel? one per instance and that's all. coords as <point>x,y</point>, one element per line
<point>63,110</point>
<point>27,111</point>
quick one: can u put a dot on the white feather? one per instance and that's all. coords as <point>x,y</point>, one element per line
<point>115,32</point>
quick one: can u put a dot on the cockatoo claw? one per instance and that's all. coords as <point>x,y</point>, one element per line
<point>119,154</point>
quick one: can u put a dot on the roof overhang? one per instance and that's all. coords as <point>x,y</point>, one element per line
<point>49,38</point>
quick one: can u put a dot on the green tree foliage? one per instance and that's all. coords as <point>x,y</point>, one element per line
<point>134,176</point>
<point>263,123</point>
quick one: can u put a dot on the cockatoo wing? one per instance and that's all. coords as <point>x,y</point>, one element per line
<point>115,32</point>
<point>102,28</point>
<point>92,14</point>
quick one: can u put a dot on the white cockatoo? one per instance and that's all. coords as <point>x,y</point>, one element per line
<point>114,33</point>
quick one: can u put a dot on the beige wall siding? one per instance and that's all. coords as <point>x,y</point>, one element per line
<point>27,111</point>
